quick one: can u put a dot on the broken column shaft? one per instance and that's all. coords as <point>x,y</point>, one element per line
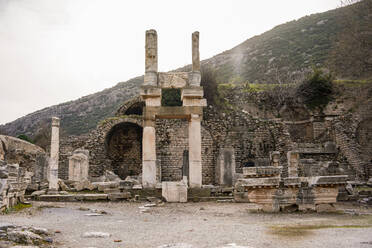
<point>195,74</point>
<point>151,58</point>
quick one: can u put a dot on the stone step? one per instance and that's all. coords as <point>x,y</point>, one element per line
<point>211,198</point>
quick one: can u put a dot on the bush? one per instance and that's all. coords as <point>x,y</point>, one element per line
<point>316,90</point>
<point>25,138</point>
<point>171,97</point>
<point>210,87</point>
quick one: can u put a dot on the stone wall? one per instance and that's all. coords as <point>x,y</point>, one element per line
<point>172,142</point>
<point>248,123</point>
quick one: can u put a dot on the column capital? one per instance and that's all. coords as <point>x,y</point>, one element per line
<point>55,122</point>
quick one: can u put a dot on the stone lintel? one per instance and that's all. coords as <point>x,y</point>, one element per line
<point>173,79</point>
<point>265,171</point>
<point>192,92</point>
<point>202,102</point>
<point>256,182</point>
<point>55,122</point>
<point>171,112</point>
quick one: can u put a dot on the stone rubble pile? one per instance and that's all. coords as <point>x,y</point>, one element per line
<point>16,236</point>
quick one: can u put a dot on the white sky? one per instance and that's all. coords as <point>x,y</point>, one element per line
<point>52,51</point>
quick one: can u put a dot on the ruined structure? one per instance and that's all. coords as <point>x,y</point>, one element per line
<point>23,166</point>
<point>191,110</point>
<point>190,151</point>
<point>266,187</point>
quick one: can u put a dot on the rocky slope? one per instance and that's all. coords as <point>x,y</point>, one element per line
<point>277,56</point>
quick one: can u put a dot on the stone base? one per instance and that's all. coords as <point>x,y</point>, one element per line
<point>174,191</point>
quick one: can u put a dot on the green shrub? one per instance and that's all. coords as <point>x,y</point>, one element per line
<point>316,90</point>
<point>25,138</point>
<point>210,86</point>
<point>171,97</point>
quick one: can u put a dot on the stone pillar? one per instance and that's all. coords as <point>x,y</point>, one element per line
<point>225,169</point>
<point>151,58</point>
<point>293,158</point>
<point>195,78</point>
<point>148,156</point>
<point>54,155</point>
<point>195,162</point>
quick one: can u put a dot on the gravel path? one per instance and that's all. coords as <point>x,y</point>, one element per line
<point>194,225</point>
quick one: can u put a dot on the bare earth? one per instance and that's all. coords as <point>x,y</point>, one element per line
<point>196,225</point>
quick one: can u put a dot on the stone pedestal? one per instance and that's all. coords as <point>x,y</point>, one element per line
<point>78,165</point>
<point>195,162</point>
<point>225,170</point>
<point>174,191</point>
<point>54,155</point>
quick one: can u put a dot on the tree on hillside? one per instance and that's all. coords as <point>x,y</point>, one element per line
<point>209,83</point>
<point>352,53</point>
<point>43,135</point>
<point>25,138</point>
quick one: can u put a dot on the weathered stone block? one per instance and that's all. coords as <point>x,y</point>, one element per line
<point>225,169</point>
<point>119,196</point>
<point>78,165</point>
<point>91,197</point>
<point>173,79</point>
<point>174,191</point>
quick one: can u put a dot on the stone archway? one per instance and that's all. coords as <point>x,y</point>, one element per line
<point>123,145</point>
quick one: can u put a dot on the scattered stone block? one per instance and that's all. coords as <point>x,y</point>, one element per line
<point>119,196</point>
<point>174,191</point>
<point>325,208</point>
<point>96,235</point>
<point>82,185</point>
<point>38,193</point>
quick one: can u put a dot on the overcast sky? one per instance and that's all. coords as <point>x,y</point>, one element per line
<point>52,51</point>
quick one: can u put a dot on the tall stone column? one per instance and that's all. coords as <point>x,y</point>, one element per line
<point>54,155</point>
<point>195,162</point>
<point>149,155</point>
<point>151,58</point>
<point>195,78</point>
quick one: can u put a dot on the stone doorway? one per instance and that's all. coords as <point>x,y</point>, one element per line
<point>124,148</point>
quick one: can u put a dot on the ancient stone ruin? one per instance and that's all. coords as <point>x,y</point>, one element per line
<point>189,151</point>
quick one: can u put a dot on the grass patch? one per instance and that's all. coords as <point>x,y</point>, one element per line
<point>304,230</point>
<point>352,83</point>
<point>17,208</point>
<point>363,188</point>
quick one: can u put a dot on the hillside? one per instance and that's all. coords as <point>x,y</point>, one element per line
<point>278,55</point>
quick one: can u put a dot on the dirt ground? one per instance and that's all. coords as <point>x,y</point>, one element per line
<point>196,225</point>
